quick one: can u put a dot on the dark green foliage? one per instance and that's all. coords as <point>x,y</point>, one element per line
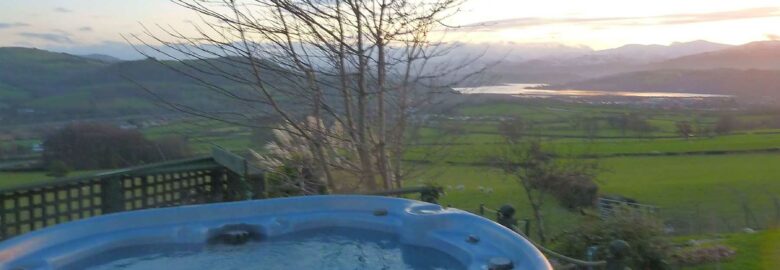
<point>432,194</point>
<point>288,181</point>
<point>85,146</point>
<point>571,183</point>
<point>575,188</point>
<point>631,122</point>
<point>649,248</point>
<point>277,183</point>
<point>539,173</point>
<point>57,168</point>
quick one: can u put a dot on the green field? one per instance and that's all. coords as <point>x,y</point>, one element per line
<point>204,135</point>
<point>702,184</point>
<point>706,190</point>
<point>14,179</point>
<point>753,251</point>
<point>711,180</point>
<point>480,147</point>
<point>698,193</point>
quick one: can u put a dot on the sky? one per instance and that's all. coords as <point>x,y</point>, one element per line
<point>84,26</point>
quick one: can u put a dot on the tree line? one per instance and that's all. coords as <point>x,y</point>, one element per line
<point>90,146</point>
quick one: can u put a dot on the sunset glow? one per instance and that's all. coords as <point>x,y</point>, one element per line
<point>598,24</point>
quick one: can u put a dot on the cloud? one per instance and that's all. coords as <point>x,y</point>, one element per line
<point>85,29</point>
<point>12,25</point>
<point>671,19</point>
<point>52,37</point>
<point>772,37</point>
<point>63,10</point>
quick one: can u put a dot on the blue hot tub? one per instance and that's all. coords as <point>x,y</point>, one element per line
<point>317,232</point>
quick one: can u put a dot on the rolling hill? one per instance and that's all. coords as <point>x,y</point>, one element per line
<point>576,67</point>
<point>55,83</point>
<point>755,55</point>
<point>750,84</point>
<point>750,71</point>
<point>39,71</point>
<point>62,84</point>
<point>661,52</point>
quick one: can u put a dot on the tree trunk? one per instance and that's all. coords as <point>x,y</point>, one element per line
<point>367,172</point>
<point>382,160</point>
<point>536,207</point>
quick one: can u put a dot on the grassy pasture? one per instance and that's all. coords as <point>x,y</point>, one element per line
<point>754,251</point>
<point>701,184</point>
<point>710,190</point>
<point>696,193</point>
<point>204,135</point>
<point>480,147</point>
<point>13,179</point>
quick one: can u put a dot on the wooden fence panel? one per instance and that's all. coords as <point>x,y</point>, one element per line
<point>191,181</point>
<point>34,208</point>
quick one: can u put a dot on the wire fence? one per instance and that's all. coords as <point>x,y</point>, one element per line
<point>505,217</point>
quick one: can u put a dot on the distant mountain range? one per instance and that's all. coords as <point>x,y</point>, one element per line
<point>750,71</point>
<point>59,83</point>
<point>756,55</point>
<point>43,82</point>
<point>593,64</point>
<point>653,53</point>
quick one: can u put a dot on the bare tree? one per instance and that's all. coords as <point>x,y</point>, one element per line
<point>535,164</point>
<point>363,65</point>
<point>571,183</point>
<point>684,129</point>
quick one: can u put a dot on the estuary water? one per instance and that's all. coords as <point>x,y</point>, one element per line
<point>520,89</point>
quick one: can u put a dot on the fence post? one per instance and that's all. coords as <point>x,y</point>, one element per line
<point>618,250</point>
<point>482,209</point>
<point>235,190</point>
<point>3,222</point>
<point>506,217</point>
<point>112,197</point>
<point>527,226</point>
<point>591,255</point>
<point>217,185</point>
<point>258,185</point>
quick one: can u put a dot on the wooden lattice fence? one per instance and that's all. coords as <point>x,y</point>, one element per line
<point>220,177</point>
